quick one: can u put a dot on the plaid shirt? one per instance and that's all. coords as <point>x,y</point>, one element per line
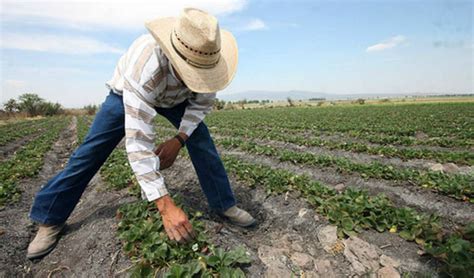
<point>146,80</point>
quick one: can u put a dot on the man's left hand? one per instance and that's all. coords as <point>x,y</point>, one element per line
<point>168,151</point>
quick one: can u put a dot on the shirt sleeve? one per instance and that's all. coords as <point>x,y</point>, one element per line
<point>199,106</point>
<point>139,129</point>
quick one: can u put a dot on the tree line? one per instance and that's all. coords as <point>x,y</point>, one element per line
<point>32,105</point>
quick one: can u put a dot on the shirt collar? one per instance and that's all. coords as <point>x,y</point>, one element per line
<point>170,67</point>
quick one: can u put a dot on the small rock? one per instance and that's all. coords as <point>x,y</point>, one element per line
<point>303,221</point>
<point>327,235</point>
<point>362,255</point>
<point>450,168</point>
<point>388,261</point>
<point>437,167</point>
<point>312,251</point>
<point>388,272</point>
<point>302,212</point>
<point>340,187</point>
<point>274,260</point>
<point>302,260</point>
<point>316,218</point>
<point>310,274</point>
<point>324,269</point>
<point>283,242</point>
<point>297,247</point>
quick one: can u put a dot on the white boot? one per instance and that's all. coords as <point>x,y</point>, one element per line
<point>239,217</point>
<point>44,241</point>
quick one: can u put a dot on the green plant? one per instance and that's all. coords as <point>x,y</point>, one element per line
<point>354,210</point>
<point>145,240</point>
<point>27,162</point>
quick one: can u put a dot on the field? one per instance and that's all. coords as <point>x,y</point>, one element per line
<point>353,190</point>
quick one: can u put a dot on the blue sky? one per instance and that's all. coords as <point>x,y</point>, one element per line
<point>66,50</point>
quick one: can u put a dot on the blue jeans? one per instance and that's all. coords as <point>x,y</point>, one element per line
<point>57,199</point>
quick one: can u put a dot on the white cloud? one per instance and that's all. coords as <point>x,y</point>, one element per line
<point>254,25</point>
<point>56,44</point>
<point>387,44</point>
<point>118,14</point>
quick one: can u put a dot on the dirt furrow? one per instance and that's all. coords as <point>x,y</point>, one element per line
<point>422,164</point>
<point>364,158</point>
<point>16,227</point>
<point>90,246</point>
<point>286,237</point>
<point>10,148</point>
<point>341,137</point>
<point>402,194</point>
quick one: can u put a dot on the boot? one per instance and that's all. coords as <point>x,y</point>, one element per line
<point>239,217</point>
<point>44,242</point>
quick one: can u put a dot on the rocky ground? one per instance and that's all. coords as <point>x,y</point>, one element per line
<point>290,239</point>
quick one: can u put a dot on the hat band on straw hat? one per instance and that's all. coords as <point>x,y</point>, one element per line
<point>188,60</point>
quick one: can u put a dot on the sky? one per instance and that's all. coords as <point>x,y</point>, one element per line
<point>65,51</point>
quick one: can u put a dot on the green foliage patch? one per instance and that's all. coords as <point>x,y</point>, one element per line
<point>354,210</point>
<point>145,240</point>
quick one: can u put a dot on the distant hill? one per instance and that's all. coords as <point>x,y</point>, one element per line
<point>295,94</point>
<point>270,95</point>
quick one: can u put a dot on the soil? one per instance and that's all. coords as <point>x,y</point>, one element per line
<point>287,223</point>
<point>364,158</point>
<point>10,148</point>
<point>341,137</point>
<point>285,240</point>
<point>16,228</point>
<point>402,193</point>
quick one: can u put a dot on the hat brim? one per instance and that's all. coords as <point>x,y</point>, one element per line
<point>198,80</point>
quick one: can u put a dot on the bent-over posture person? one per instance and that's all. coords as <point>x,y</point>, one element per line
<point>173,72</point>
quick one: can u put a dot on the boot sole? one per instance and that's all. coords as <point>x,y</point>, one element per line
<point>40,255</point>
<point>245,225</point>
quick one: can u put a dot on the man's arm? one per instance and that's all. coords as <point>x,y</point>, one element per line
<point>140,143</point>
<point>199,106</point>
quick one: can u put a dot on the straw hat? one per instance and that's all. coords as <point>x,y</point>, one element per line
<point>204,56</point>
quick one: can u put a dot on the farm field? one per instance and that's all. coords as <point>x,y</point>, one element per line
<point>349,191</point>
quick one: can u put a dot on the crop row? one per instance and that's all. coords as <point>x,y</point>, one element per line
<point>459,157</point>
<point>457,186</point>
<point>27,162</point>
<point>355,210</point>
<point>21,129</point>
<point>145,241</point>
<point>446,124</point>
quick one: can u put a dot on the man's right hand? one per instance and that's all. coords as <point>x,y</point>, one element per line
<point>175,221</point>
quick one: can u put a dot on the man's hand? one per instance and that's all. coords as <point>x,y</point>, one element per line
<point>168,151</point>
<point>175,221</point>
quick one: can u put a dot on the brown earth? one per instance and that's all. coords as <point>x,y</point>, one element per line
<point>290,237</point>
<point>286,237</point>
<point>452,211</point>
<point>12,147</point>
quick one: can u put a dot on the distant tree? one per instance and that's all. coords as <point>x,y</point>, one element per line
<point>50,109</point>
<point>219,104</point>
<point>290,102</point>
<point>91,109</point>
<point>242,103</point>
<point>30,103</point>
<point>11,106</point>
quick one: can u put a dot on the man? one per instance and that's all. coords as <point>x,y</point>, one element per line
<point>173,72</point>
